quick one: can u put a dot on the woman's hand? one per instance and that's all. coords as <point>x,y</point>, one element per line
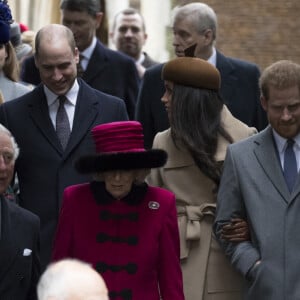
<point>236,231</point>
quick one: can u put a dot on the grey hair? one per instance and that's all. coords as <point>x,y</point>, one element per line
<point>200,14</point>
<point>13,141</point>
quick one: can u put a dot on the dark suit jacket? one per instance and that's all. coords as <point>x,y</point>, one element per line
<point>19,273</point>
<point>43,168</point>
<point>108,71</point>
<point>239,90</point>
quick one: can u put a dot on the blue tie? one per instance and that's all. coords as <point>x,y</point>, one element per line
<point>290,165</point>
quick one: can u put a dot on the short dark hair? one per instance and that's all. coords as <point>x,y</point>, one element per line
<point>92,7</point>
<point>127,12</point>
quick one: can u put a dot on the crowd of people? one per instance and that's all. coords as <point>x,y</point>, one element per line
<point>125,178</point>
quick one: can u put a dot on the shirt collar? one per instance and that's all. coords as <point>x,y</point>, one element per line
<point>71,94</point>
<point>141,59</point>
<point>213,58</point>
<point>281,142</point>
<point>87,53</point>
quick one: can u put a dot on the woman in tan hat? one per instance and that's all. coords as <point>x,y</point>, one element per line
<point>201,128</point>
<point>126,229</point>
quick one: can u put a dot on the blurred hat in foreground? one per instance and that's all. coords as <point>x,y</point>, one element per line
<point>5,21</point>
<point>21,48</point>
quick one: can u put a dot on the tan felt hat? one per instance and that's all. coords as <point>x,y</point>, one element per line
<point>192,71</point>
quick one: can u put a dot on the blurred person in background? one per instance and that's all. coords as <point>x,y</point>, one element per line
<point>9,65</point>
<point>129,36</point>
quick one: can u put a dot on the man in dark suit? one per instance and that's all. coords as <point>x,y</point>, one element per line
<point>196,23</point>
<point>103,69</point>
<point>19,233</point>
<point>45,165</point>
<point>129,36</point>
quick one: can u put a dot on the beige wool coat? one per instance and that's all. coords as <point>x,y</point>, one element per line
<point>207,273</point>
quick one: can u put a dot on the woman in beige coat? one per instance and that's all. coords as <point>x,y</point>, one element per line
<point>201,129</point>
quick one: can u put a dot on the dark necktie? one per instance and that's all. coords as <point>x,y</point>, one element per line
<point>62,122</point>
<point>80,70</point>
<point>290,165</point>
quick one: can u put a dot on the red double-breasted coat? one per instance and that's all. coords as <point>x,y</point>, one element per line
<point>132,242</point>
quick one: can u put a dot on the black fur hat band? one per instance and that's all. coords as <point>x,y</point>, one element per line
<point>121,161</point>
<point>120,146</point>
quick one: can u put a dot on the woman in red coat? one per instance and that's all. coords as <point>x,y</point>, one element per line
<point>126,229</point>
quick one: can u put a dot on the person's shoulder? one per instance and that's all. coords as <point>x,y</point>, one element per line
<point>237,63</point>
<point>25,99</point>
<point>77,188</point>
<point>22,213</point>
<point>97,94</point>
<point>29,60</point>
<point>236,128</point>
<point>154,71</point>
<point>161,195</point>
<point>117,56</point>
<point>149,61</point>
<point>162,137</point>
<point>244,64</point>
<point>247,144</point>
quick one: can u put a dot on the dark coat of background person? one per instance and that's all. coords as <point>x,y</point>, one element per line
<point>43,168</point>
<point>108,71</point>
<point>239,90</point>
<point>19,274</point>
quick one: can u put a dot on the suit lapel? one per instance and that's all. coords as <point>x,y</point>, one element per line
<point>296,190</point>
<point>86,111</point>
<point>38,110</point>
<point>8,248</point>
<point>98,59</point>
<point>267,156</point>
<point>229,80</point>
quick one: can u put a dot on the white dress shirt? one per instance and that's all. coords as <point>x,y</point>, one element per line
<point>70,104</point>
<point>281,144</point>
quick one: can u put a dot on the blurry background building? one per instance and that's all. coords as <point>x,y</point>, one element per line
<point>261,31</point>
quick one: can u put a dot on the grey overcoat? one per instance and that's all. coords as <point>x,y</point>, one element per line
<point>253,186</point>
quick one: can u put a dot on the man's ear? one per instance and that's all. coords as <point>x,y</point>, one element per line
<point>263,102</point>
<point>208,34</point>
<point>76,54</point>
<point>99,18</point>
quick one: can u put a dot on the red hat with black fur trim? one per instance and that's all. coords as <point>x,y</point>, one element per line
<point>120,146</point>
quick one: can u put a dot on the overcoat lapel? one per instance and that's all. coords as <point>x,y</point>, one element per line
<point>229,80</point>
<point>8,249</point>
<point>267,157</point>
<point>296,190</point>
<point>85,113</point>
<point>39,112</point>
<point>98,58</point>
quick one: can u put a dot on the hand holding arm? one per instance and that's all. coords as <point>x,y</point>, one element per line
<point>236,231</point>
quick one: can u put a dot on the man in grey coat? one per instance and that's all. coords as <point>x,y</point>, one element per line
<point>260,183</point>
